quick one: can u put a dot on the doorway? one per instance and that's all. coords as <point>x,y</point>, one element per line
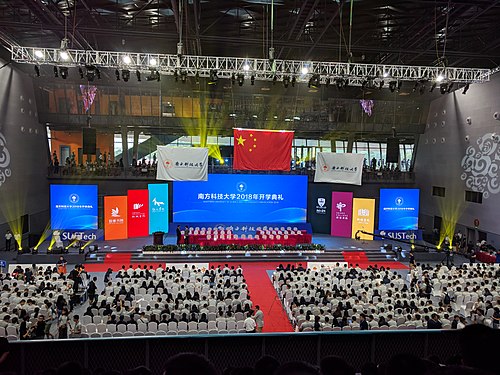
<point>64,151</point>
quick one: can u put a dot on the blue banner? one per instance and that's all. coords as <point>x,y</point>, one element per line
<point>158,208</point>
<point>403,235</point>
<point>398,209</point>
<point>73,207</point>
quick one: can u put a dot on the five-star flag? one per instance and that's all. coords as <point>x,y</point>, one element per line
<point>262,150</point>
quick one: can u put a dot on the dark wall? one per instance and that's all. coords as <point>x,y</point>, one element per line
<point>23,153</point>
<point>321,222</point>
<point>460,154</point>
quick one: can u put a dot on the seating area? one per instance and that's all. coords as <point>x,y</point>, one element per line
<point>262,236</point>
<point>345,298</point>
<point>170,301</point>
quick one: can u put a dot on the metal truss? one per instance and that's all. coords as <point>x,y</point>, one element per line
<point>259,69</point>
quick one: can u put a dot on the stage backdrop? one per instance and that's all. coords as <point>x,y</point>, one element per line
<point>115,217</point>
<point>242,198</point>
<point>73,207</point>
<point>398,209</point>
<point>363,217</point>
<point>138,213</point>
<point>158,208</point>
<point>341,214</point>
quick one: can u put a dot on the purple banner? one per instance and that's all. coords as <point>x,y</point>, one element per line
<point>341,214</point>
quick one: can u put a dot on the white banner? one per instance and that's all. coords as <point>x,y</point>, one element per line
<point>182,163</point>
<point>339,168</point>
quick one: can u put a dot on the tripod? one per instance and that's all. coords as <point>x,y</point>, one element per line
<point>448,258</point>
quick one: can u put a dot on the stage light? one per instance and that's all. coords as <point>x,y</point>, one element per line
<point>392,86</point>
<point>64,55</point>
<point>63,71</point>
<point>381,84</point>
<point>246,67</point>
<point>314,81</point>
<point>386,74</point>
<point>153,62</point>
<point>450,87</point>
<point>126,59</point>
<point>37,71</point>
<point>138,75</point>
<point>439,78</point>
<point>304,70</point>
<point>340,83</point>
<point>413,247</point>
<point>275,79</point>
<point>98,73</point>
<point>126,75</point>
<point>327,82</point>
<point>117,74</point>
<point>422,89</point>
<point>363,84</point>
<point>293,81</point>
<point>466,88</point>
<point>91,72</point>
<point>443,87</point>
<point>415,87</point>
<point>176,75</point>
<point>183,76</point>
<point>241,79</point>
<point>39,54</point>
<point>80,71</point>
<point>197,77</point>
<point>286,81</point>
<point>252,80</point>
<point>233,78</point>
<point>213,77</point>
<point>153,76</point>
<point>433,87</point>
<point>56,72</point>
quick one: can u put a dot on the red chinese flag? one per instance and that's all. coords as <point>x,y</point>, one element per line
<point>262,150</point>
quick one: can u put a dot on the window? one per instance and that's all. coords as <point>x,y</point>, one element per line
<point>438,191</point>
<point>473,196</point>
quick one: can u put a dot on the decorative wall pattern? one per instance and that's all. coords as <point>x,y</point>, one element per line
<point>5,171</point>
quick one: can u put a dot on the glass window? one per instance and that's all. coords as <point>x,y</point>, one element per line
<point>340,147</point>
<point>325,144</point>
<point>184,141</point>
<point>224,141</point>
<point>375,153</point>
<point>383,150</point>
<point>299,142</point>
<point>312,142</point>
<point>211,140</point>
<point>362,148</point>
<point>195,139</point>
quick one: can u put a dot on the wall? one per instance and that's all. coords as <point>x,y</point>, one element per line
<point>73,139</point>
<point>441,159</point>
<point>23,154</point>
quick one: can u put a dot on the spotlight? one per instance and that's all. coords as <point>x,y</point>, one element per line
<point>37,71</point>
<point>304,70</point>
<point>138,75</point>
<point>450,86</point>
<point>241,79</point>
<point>153,76</point>
<point>213,77</point>
<point>98,73</point>
<point>392,86</point>
<point>466,88</point>
<point>327,82</point>
<point>91,72</point>
<point>363,84</point>
<point>127,60</point>
<point>197,77</point>
<point>252,80</point>
<point>293,81</point>
<point>153,62</point>
<point>381,84</point>
<point>176,75</point>
<point>183,76</point>
<point>415,87</point>
<point>39,54</point>
<point>433,87</point>
<point>126,75</point>
<point>117,74</point>
<point>286,81</point>
<point>233,79</point>
<point>80,71</point>
<point>439,78</point>
<point>274,80</point>
<point>56,73</point>
<point>64,55</point>
<point>314,81</point>
<point>386,74</point>
<point>340,83</point>
<point>422,89</point>
<point>443,87</point>
<point>63,71</point>
<point>246,67</point>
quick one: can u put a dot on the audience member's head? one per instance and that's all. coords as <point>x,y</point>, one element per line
<point>189,364</point>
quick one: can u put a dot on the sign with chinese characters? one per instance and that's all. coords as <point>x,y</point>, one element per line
<point>158,208</point>
<point>339,168</point>
<point>138,213</point>
<point>182,163</point>
<point>363,217</point>
<point>115,217</point>
<point>341,214</point>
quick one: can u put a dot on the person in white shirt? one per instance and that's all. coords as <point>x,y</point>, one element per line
<point>8,240</point>
<point>249,324</point>
<point>259,318</point>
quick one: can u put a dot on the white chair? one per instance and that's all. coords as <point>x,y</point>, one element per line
<point>171,326</point>
<point>12,338</point>
<point>152,326</point>
<point>139,333</point>
<point>121,328</point>
<point>101,327</point>
<point>203,326</point>
<point>86,319</point>
<point>11,330</point>
<point>90,328</point>
<point>95,335</point>
<point>221,325</point>
<point>117,334</point>
<point>231,327</point>
<point>192,326</point>
<point>172,333</point>
<point>128,334</point>
<point>160,333</point>
<point>107,334</point>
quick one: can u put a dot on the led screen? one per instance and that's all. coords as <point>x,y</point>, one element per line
<point>242,198</point>
<point>398,209</point>
<point>73,207</point>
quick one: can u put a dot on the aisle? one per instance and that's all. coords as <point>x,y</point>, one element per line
<point>361,259</point>
<point>262,293</point>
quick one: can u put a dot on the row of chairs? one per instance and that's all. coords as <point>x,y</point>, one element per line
<point>167,327</point>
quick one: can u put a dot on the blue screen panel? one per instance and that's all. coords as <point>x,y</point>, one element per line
<point>242,198</point>
<point>158,208</point>
<point>73,207</point>
<point>398,209</point>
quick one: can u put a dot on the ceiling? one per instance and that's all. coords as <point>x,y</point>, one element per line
<point>424,32</point>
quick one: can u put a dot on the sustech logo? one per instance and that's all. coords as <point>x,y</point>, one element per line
<point>399,201</point>
<point>241,187</point>
<point>74,198</point>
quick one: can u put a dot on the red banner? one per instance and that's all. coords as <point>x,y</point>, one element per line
<point>262,150</point>
<point>115,218</point>
<point>138,213</point>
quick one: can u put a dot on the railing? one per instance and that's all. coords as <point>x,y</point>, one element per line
<point>236,350</point>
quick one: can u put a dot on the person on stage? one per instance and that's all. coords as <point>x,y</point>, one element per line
<point>61,265</point>
<point>186,235</point>
<point>8,239</point>
<point>179,234</point>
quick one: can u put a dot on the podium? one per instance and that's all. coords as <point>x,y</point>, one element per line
<point>158,238</point>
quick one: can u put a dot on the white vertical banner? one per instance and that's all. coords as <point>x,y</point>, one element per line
<point>182,163</point>
<point>339,168</point>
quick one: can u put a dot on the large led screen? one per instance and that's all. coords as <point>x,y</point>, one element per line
<point>73,207</point>
<point>398,209</point>
<point>242,198</point>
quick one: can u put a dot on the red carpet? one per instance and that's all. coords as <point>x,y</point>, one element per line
<point>360,258</point>
<point>262,293</point>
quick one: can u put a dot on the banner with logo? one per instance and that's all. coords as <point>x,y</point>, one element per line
<point>363,217</point>
<point>138,213</point>
<point>339,168</point>
<point>182,163</point>
<point>341,214</point>
<point>158,208</point>
<point>115,218</point>
<point>403,235</point>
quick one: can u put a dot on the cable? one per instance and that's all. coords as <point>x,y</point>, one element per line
<point>446,30</point>
<point>350,29</point>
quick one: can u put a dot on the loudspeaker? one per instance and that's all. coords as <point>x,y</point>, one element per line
<point>392,153</point>
<point>89,137</point>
